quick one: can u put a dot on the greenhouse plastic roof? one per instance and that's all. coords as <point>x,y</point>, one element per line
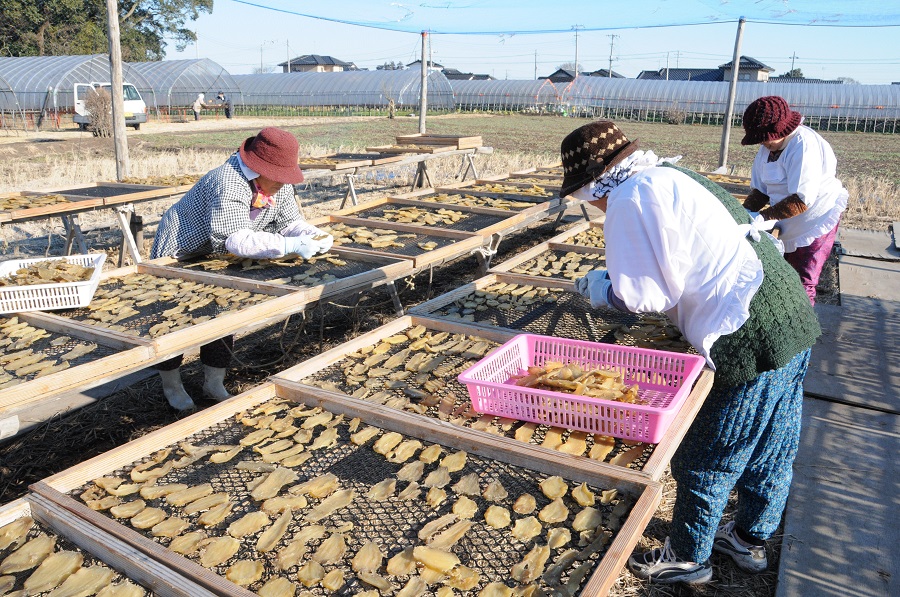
<point>31,78</point>
<point>177,82</point>
<point>483,17</point>
<point>362,88</point>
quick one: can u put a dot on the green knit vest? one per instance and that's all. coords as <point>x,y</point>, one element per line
<point>782,322</point>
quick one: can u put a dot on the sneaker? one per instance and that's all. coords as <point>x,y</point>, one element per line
<point>749,558</point>
<point>662,566</point>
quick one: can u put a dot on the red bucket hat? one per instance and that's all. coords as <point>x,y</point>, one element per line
<point>589,151</point>
<point>273,153</point>
<point>769,118</point>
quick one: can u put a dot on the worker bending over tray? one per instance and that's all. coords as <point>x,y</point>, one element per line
<point>680,244</point>
<point>245,207</point>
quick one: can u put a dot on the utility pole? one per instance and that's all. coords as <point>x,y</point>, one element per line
<point>732,91</point>
<point>287,46</point>
<point>612,42</point>
<point>423,95</point>
<point>667,66</point>
<point>120,142</point>
<point>535,65</point>
<point>793,57</point>
<point>576,51</point>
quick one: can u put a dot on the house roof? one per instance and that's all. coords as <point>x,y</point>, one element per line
<point>455,75</point>
<point>316,60</point>
<point>748,63</point>
<point>783,79</point>
<point>683,74</point>
<point>430,62</point>
<point>602,72</point>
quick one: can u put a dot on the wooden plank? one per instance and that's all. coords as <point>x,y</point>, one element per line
<point>216,279</point>
<point>117,554</point>
<point>458,141</point>
<point>410,148</point>
<point>336,161</point>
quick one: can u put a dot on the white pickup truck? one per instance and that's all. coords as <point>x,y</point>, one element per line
<point>135,108</point>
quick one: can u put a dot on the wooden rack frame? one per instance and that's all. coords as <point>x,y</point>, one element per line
<point>113,552</point>
<point>647,492</point>
<point>462,243</point>
<point>285,301</point>
<point>653,469</point>
<point>135,353</point>
<point>385,269</point>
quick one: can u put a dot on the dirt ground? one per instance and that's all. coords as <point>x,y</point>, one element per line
<point>135,411</point>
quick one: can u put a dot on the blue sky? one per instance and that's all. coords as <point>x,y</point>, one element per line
<point>242,34</point>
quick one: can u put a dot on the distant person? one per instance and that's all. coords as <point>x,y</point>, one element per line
<point>245,207</point>
<point>198,105</point>
<point>392,108</point>
<point>225,101</point>
<point>794,174</point>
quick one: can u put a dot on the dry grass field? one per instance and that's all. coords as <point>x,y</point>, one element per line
<point>869,165</point>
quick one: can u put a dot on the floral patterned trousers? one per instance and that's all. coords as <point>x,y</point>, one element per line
<point>744,437</point>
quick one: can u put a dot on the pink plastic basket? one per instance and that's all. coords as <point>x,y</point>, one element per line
<point>664,380</point>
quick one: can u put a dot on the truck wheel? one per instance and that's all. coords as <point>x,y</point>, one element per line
<point>82,126</point>
<point>137,126</point>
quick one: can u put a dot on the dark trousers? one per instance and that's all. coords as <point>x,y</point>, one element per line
<point>215,354</point>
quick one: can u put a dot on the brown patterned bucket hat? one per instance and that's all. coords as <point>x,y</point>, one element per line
<point>589,151</point>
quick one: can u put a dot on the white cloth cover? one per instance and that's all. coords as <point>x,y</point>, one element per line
<point>671,246</point>
<point>806,167</point>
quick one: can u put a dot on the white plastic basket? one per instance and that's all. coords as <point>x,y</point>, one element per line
<point>44,297</point>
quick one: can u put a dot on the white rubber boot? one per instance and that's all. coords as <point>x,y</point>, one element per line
<point>174,391</point>
<point>214,383</point>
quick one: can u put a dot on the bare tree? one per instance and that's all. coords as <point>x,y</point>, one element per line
<point>99,106</point>
<point>848,80</point>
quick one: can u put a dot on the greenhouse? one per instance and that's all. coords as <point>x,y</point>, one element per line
<point>824,106</point>
<point>38,87</point>
<point>538,97</point>
<point>344,92</point>
<point>174,84</point>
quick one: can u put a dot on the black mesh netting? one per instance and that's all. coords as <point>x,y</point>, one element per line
<point>392,523</point>
<point>468,222</point>
<point>61,544</point>
<point>52,347</point>
<point>170,302</point>
<point>295,272</point>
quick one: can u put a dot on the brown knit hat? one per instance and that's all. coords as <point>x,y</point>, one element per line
<point>589,151</point>
<point>769,118</point>
<point>273,153</point>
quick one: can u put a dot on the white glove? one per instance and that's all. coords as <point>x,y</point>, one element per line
<point>326,243</point>
<point>304,246</point>
<point>596,287</point>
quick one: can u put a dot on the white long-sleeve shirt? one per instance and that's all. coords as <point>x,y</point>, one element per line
<point>671,246</point>
<point>807,168</point>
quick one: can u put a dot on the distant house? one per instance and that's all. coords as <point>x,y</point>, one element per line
<point>749,69</point>
<point>314,63</point>
<point>564,75</point>
<point>455,75</point>
<point>418,64</point>
<point>784,79</point>
<point>682,74</point>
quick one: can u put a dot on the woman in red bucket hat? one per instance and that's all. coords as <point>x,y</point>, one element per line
<point>245,207</point>
<point>794,175</point>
